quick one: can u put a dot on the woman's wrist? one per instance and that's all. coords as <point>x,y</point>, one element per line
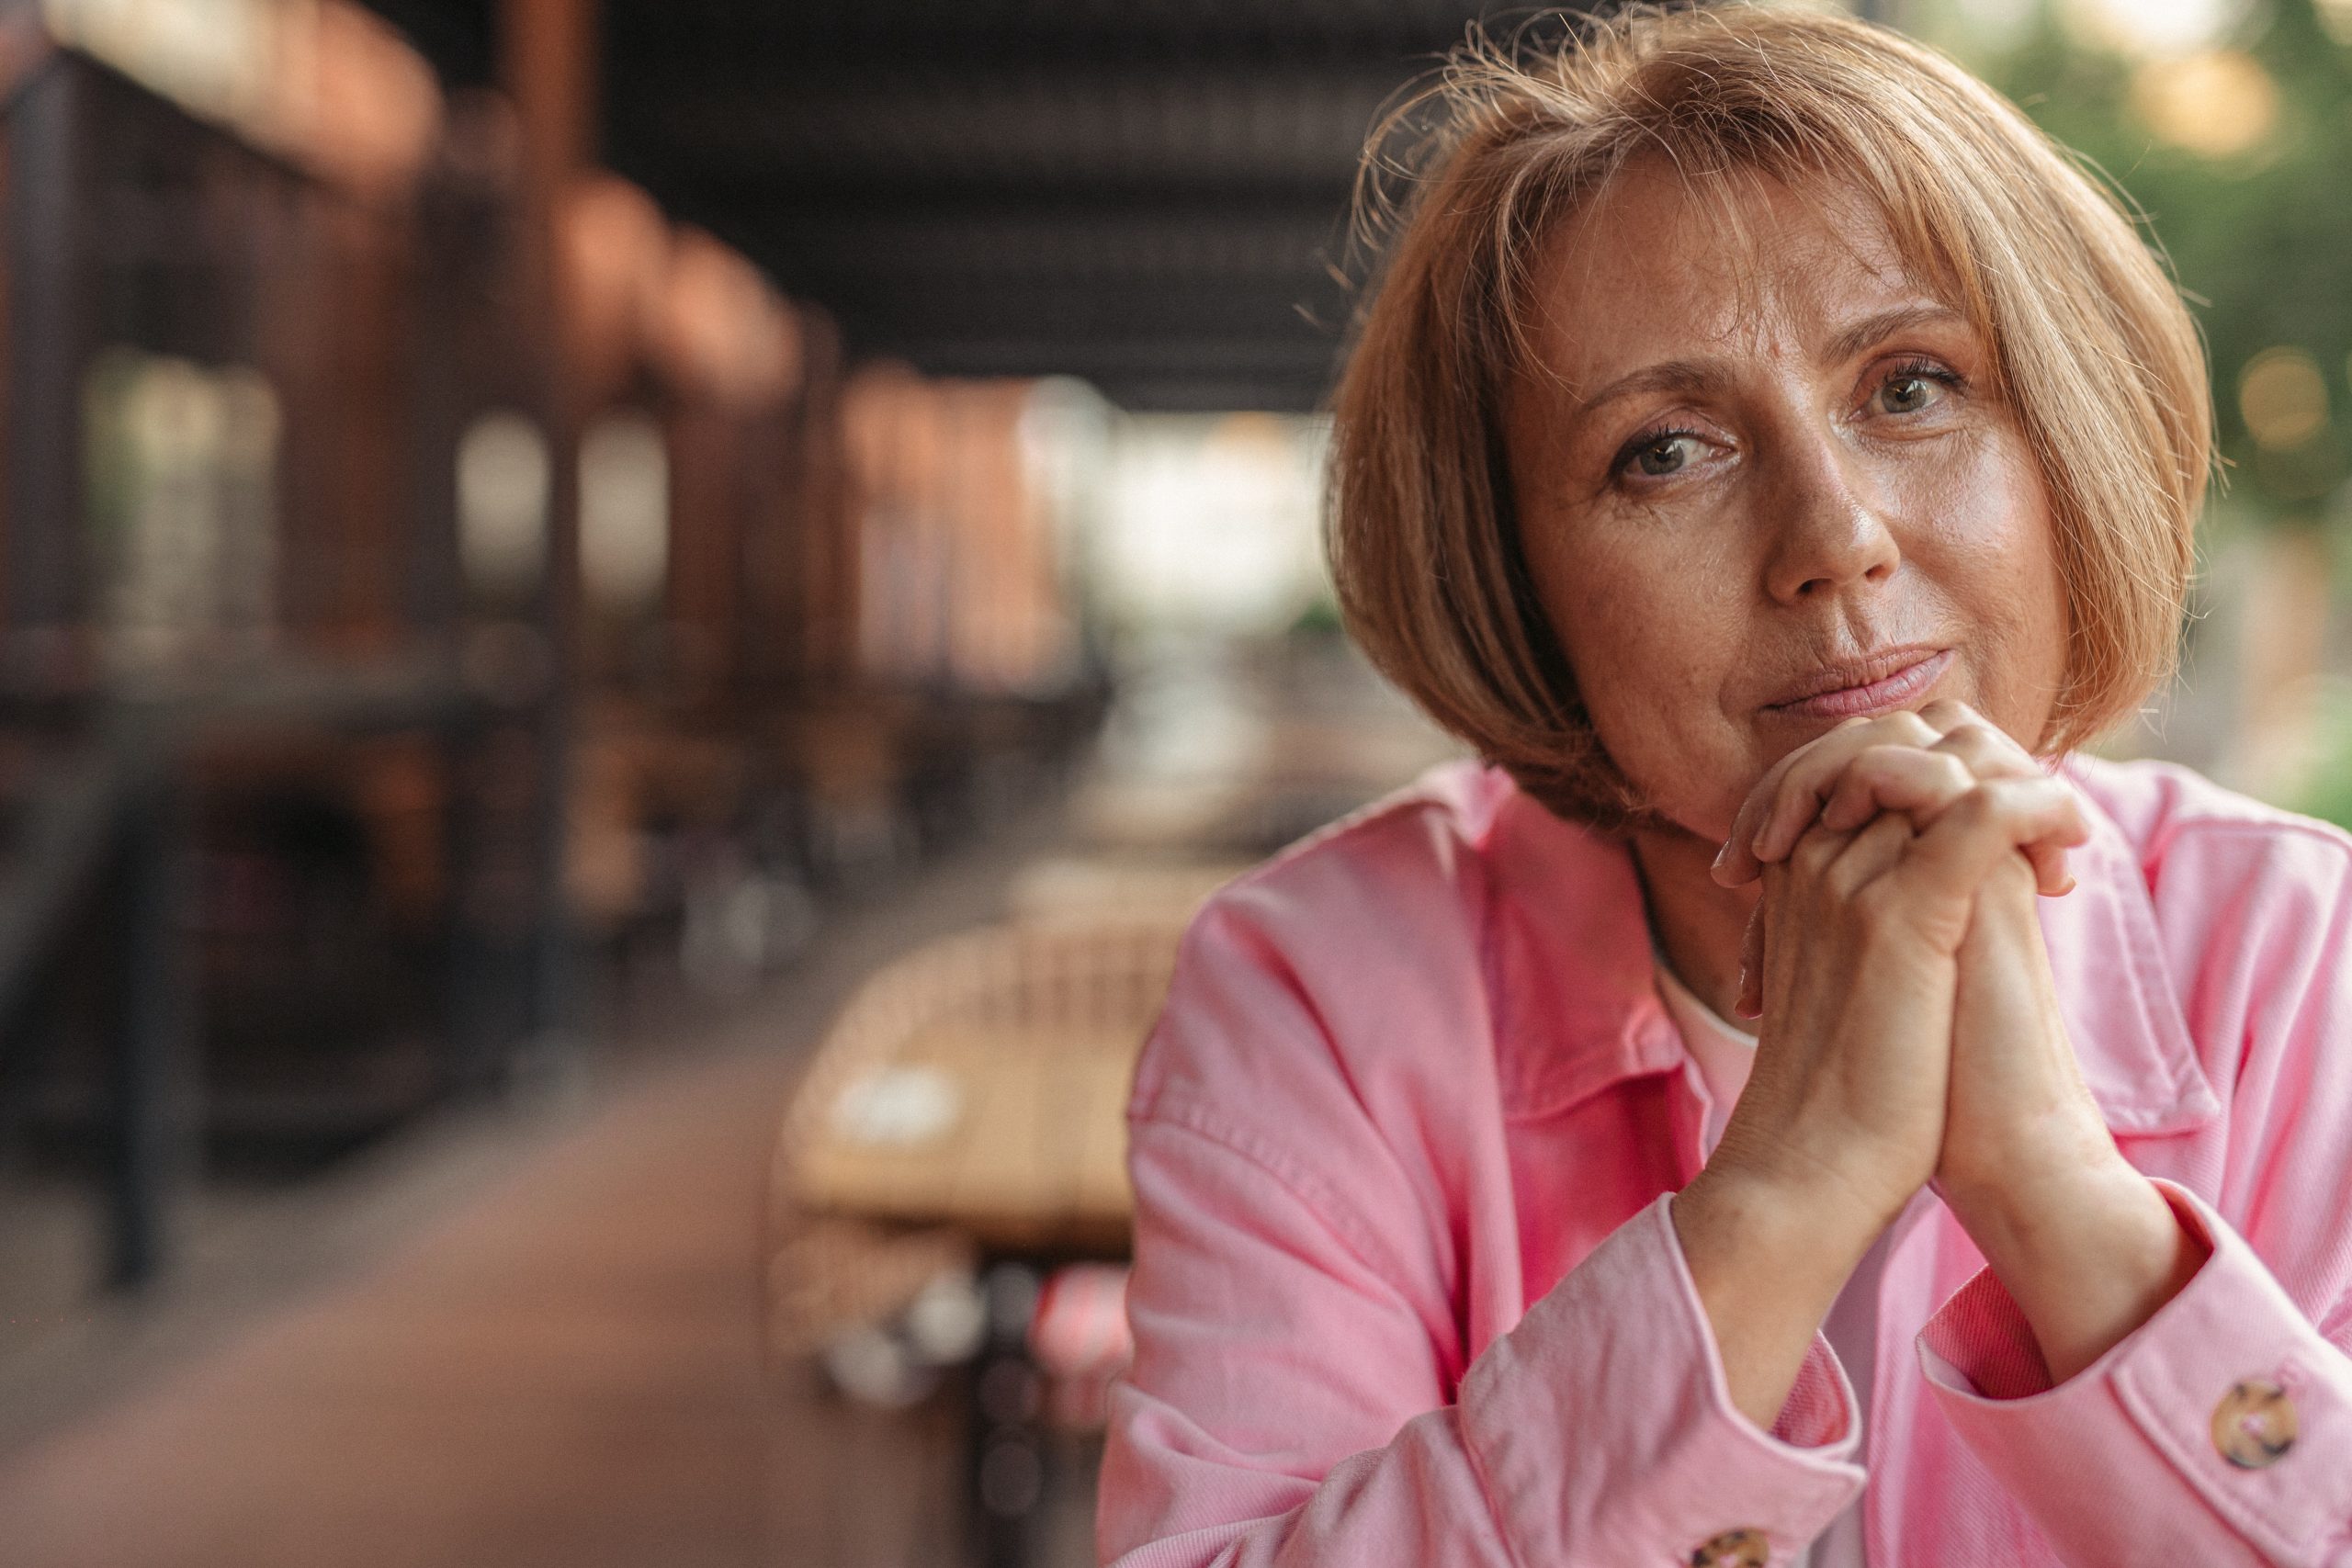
<point>1767,1259</point>
<point>2088,1258</point>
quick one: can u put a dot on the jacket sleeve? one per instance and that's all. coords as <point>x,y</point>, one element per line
<point>2219,1431</point>
<point>1298,1394</point>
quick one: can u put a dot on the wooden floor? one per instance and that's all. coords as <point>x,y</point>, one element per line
<point>535,1342</point>
<point>562,1368</point>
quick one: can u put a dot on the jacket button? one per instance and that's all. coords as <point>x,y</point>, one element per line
<point>1733,1549</point>
<point>2255,1423</point>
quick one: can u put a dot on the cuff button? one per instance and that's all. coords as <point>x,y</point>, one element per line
<point>1733,1549</point>
<point>2255,1423</point>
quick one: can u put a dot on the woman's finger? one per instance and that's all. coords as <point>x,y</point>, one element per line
<point>1803,789</point>
<point>1818,780</point>
<point>1870,854</point>
<point>1842,862</point>
<point>1997,817</point>
<point>1736,848</point>
<point>1750,1003</point>
<point>1923,784</point>
<point>1947,714</point>
<point>1790,794</point>
<point>1991,753</point>
<point>1895,778</point>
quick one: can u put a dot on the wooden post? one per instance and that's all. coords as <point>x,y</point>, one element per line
<point>548,64</point>
<point>152,1023</point>
<point>50,279</point>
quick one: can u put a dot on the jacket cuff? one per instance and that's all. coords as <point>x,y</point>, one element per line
<point>1605,1417</point>
<point>2227,1387</point>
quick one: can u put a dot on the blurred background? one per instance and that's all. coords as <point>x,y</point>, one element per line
<point>627,631</point>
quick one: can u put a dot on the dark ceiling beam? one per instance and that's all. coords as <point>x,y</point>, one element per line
<point>1162,394</point>
<point>1293,381</point>
<point>1133,246</point>
<point>1206,354</point>
<point>1134,129</point>
<point>859,33</point>
<point>1077,314</point>
<point>1152,194</point>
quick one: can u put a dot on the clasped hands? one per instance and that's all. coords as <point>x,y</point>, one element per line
<point>1911,1036</point>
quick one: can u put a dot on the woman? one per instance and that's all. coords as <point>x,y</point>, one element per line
<point>1774,458</point>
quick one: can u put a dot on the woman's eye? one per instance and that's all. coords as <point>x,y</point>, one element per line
<point>1907,394</point>
<point>1664,454</point>
<point>1910,391</point>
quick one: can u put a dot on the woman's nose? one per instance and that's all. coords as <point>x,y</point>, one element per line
<point>1830,533</point>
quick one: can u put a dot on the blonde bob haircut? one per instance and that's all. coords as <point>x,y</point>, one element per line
<point>2090,343</point>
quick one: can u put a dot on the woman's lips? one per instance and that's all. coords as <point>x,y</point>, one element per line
<point>1868,691</point>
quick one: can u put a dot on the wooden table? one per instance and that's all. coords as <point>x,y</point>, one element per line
<point>981,1083</point>
<point>1015,1136</point>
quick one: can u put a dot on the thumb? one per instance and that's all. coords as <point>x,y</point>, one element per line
<point>1751,965</point>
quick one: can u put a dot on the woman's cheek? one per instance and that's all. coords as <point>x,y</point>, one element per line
<point>1650,663</point>
<point>1991,555</point>
<point>1638,634</point>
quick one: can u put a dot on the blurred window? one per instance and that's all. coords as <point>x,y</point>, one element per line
<point>624,514</point>
<point>182,465</point>
<point>503,506</point>
<point>1212,522</point>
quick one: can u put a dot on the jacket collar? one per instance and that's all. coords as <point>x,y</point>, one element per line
<point>1576,1000</point>
<point>2117,990</point>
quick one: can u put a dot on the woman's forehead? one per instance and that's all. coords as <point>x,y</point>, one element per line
<point>1660,265</point>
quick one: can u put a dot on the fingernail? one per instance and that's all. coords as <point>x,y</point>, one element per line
<point>1722,855</point>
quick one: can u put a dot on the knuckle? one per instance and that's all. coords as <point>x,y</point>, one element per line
<point>1913,727</point>
<point>1954,710</point>
<point>1795,784</point>
<point>1870,853</point>
<point>1776,784</point>
<point>1964,737</point>
<point>1986,801</point>
<point>2022,795</point>
<point>1882,909</point>
<point>1844,882</point>
<point>1870,734</point>
<point>1945,712</point>
<point>1877,761</point>
<point>1815,852</point>
<point>1873,903</point>
<point>1984,748</point>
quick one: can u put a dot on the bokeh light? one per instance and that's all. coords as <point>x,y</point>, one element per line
<point>2155,28</point>
<point>2217,103</point>
<point>2282,397</point>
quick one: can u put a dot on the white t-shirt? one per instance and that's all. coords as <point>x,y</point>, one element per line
<point>1724,1053</point>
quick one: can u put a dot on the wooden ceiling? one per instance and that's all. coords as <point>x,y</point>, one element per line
<point>1150,194</point>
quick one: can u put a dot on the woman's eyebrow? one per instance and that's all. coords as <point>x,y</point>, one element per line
<point>1701,376</point>
<point>1697,376</point>
<point>1871,329</point>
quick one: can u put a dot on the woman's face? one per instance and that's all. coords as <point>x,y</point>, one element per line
<point>1763,486</point>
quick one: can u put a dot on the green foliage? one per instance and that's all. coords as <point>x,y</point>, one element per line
<point>2327,790</point>
<point>2261,241</point>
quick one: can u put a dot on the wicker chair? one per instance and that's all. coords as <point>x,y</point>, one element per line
<point>968,1101</point>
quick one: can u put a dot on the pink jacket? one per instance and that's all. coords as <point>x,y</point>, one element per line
<point>1406,1293</point>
